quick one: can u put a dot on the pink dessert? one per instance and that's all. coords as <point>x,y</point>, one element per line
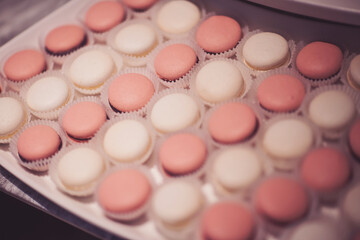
<point>227,220</point>
<point>182,153</point>
<point>281,199</point>
<point>319,60</point>
<point>104,15</point>
<point>354,139</point>
<point>174,61</point>
<point>124,191</point>
<point>218,34</point>
<point>325,169</point>
<point>82,120</point>
<point>281,93</point>
<point>130,92</point>
<point>65,39</point>
<point>232,122</point>
<point>24,65</point>
<point>139,5</point>
<point>38,142</point>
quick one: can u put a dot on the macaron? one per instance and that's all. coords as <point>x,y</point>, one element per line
<point>354,139</point>
<point>353,73</point>
<point>139,5</point>
<point>12,115</point>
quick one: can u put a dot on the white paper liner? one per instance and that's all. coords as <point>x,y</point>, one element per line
<point>346,78</point>
<point>348,222</point>
<point>280,71</point>
<point>128,216</point>
<point>16,85</point>
<point>274,227</point>
<point>251,138</point>
<point>318,82</point>
<point>256,72</point>
<point>145,14</point>
<point>194,174</point>
<point>228,53</point>
<point>27,117</point>
<point>100,37</point>
<point>118,62</point>
<point>329,198</point>
<point>143,71</point>
<point>166,92</point>
<point>258,231</point>
<point>247,80</point>
<point>184,230</point>
<point>61,58</point>
<point>331,134</point>
<point>83,191</point>
<point>243,192</point>
<point>53,113</point>
<point>183,81</point>
<point>99,137</point>
<point>93,99</point>
<point>129,59</point>
<point>40,165</point>
<point>286,164</point>
<point>3,85</point>
<point>157,7</point>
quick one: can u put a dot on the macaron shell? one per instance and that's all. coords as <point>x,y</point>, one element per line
<point>351,205</point>
<point>354,138</point>
<point>319,60</point>
<point>139,4</point>
<point>174,61</point>
<point>64,38</point>
<point>104,15</point>
<point>38,142</point>
<point>24,65</point>
<point>232,122</point>
<point>354,70</point>
<point>218,34</point>
<point>12,115</point>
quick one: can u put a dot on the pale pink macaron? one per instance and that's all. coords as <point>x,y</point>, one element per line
<point>124,191</point>
<point>182,153</point>
<point>232,122</point>
<point>218,34</point>
<point>24,64</point>
<point>139,5</point>
<point>227,220</point>
<point>65,39</point>
<point>319,60</point>
<point>281,93</point>
<point>104,15</point>
<point>38,142</point>
<point>281,199</point>
<point>354,138</point>
<point>325,169</point>
<point>82,120</point>
<point>174,61</point>
<point>130,92</point>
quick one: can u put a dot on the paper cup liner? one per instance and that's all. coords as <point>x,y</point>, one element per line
<point>16,85</point>
<point>131,59</point>
<point>277,228</point>
<point>70,139</point>
<point>331,133</point>
<point>143,71</point>
<point>77,191</point>
<point>183,81</point>
<point>247,81</point>
<point>317,82</point>
<point>136,213</point>
<point>6,138</point>
<point>186,229</point>
<point>163,93</point>
<point>3,85</point>
<point>287,164</point>
<point>280,71</point>
<point>52,113</point>
<point>256,71</point>
<point>99,138</point>
<point>348,220</point>
<point>40,165</point>
<point>100,37</point>
<point>60,58</point>
<point>117,60</point>
<point>197,173</point>
<point>168,35</point>
<point>248,139</point>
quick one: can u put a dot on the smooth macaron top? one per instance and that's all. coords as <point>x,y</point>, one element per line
<point>139,5</point>
<point>64,39</point>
